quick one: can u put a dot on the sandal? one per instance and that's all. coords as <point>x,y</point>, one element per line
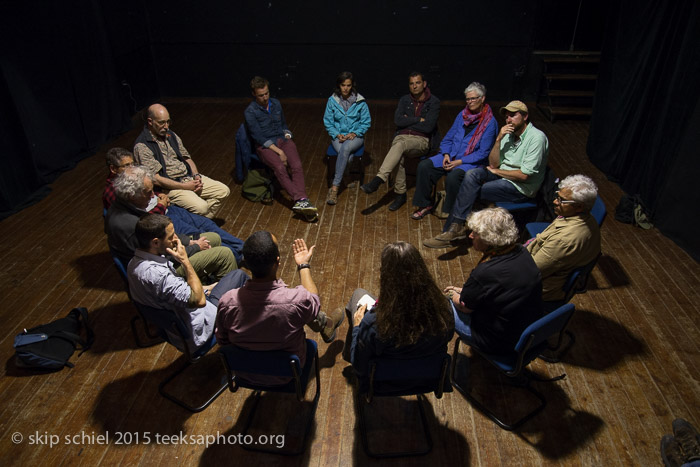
<point>419,214</point>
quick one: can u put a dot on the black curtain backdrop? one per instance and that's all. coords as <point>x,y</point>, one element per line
<point>59,94</point>
<point>646,120</point>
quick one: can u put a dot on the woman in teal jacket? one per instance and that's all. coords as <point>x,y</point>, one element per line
<point>346,120</point>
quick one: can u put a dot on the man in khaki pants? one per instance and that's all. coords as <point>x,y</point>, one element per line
<point>416,125</point>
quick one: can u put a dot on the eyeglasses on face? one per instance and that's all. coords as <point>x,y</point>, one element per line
<point>472,99</point>
<point>560,200</point>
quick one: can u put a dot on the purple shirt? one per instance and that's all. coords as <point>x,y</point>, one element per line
<point>266,316</point>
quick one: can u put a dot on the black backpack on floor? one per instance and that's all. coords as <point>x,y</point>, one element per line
<point>49,346</point>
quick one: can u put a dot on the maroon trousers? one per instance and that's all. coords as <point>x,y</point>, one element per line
<point>291,177</point>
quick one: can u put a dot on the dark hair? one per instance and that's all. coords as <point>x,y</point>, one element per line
<point>115,156</point>
<point>340,79</point>
<point>149,227</point>
<point>410,303</point>
<point>260,253</point>
<point>416,73</point>
<point>258,82</point>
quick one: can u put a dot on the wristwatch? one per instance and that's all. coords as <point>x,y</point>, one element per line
<point>303,266</point>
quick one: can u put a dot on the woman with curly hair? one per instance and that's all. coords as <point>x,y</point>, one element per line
<point>503,294</point>
<point>411,318</point>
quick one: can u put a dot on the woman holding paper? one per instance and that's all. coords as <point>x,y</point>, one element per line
<point>410,318</point>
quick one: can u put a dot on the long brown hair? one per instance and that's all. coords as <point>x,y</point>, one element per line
<point>410,304</point>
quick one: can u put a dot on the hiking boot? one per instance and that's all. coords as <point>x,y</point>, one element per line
<point>333,321</point>
<point>332,197</point>
<point>399,201</point>
<point>671,453</point>
<point>372,186</point>
<point>304,206</point>
<point>455,232</point>
<point>688,438</point>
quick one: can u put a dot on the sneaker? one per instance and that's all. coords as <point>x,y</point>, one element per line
<point>372,186</point>
<point>455,232</point>
<point>304,206</point>
<point>332,197</point>
<point>399,201</point>
<point>335,319</point>
<point>671,453</point>
<point>688,438</point>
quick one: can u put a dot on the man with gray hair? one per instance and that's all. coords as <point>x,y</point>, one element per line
<point>466,146</point>
<point>572,240</point>
<point>134,190</point>
<point>416,133</point>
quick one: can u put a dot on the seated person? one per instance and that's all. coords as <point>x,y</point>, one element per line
<point>274,146</point>
<point>134,191</point>
<point>162,151</point>
<point>265,314</point>
<point>572,240</point>
<point>466,146</point>
<point>416,120</point>
<point>410,319</point>
<point>186,223</point>
<point>517,163</point>
<point>503,294</point>
<point>152,280</point>
<point>346,120</point>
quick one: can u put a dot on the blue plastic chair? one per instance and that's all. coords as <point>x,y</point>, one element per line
<point>533,341</point>
<point>273,363</point>
<point>414,376</point>
<point>331,153</point>
<point>173,330</point>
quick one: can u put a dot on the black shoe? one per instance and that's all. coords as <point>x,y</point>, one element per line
<point>372,186</point>
<point>399,201</point>
<point>688,438</point>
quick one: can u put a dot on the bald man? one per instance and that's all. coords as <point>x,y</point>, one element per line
<point>162,151</point>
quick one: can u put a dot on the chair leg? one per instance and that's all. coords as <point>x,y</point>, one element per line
<point>180,402</point>
<point>154,338</point>
<point>360,401</point>
<point>483,409</point>
<point>308,423</point>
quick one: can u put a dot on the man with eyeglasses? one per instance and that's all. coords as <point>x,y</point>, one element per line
<point>189,226</point>
<point>162,151</point>
<point>416,134</point>
<point>517,164</point>
<point>572,240</point>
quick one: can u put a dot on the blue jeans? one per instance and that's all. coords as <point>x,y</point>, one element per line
<point>481,184</point>
<point>344,150</point>
<point>463,323</point>
<point>187,223</point>
<point>233,280</point>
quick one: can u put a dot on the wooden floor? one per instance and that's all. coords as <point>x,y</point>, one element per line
<point>633,369</point>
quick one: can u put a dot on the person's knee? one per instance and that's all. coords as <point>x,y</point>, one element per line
<point>454,179</point>
<point>214,238</point>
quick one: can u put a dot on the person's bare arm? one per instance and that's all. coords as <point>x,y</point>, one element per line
<point>197,297</point>
<point>514,175</point>
<point>173,185</point>
<point>302,255</point>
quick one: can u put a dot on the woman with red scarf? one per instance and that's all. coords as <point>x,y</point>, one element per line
<point>466,146</point>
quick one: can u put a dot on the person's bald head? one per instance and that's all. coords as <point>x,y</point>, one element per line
<point>158,120</point>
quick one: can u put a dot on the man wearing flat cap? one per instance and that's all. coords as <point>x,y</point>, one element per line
<point>517,163</point>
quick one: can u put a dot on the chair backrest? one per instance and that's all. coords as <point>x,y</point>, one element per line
<point>576,282</point>
<point>599,211</point>
<point>536,334</point>
<point>278,363</point>
<point>121,269</point>
<point>408,376</point>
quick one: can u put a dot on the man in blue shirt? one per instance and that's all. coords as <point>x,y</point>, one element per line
<point>274,146</point>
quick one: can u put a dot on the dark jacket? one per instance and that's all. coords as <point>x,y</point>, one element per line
<point>405,118</point>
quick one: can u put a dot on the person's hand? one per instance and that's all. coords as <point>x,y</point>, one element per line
<point>506,130</point>
<point>350,136</point>
<point>163,199</point>
<point>208,288</point>
<point>287,136</point>
<point>359,314</point>
<point>422,120</point>
<point>190,185</point>
<point>202,242</point>
<point>342,138</point>
<point>283,157</point>
<point>302,254</point>
<point>178,253</point>
<point>198,186</point>
<point>491,169</point>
